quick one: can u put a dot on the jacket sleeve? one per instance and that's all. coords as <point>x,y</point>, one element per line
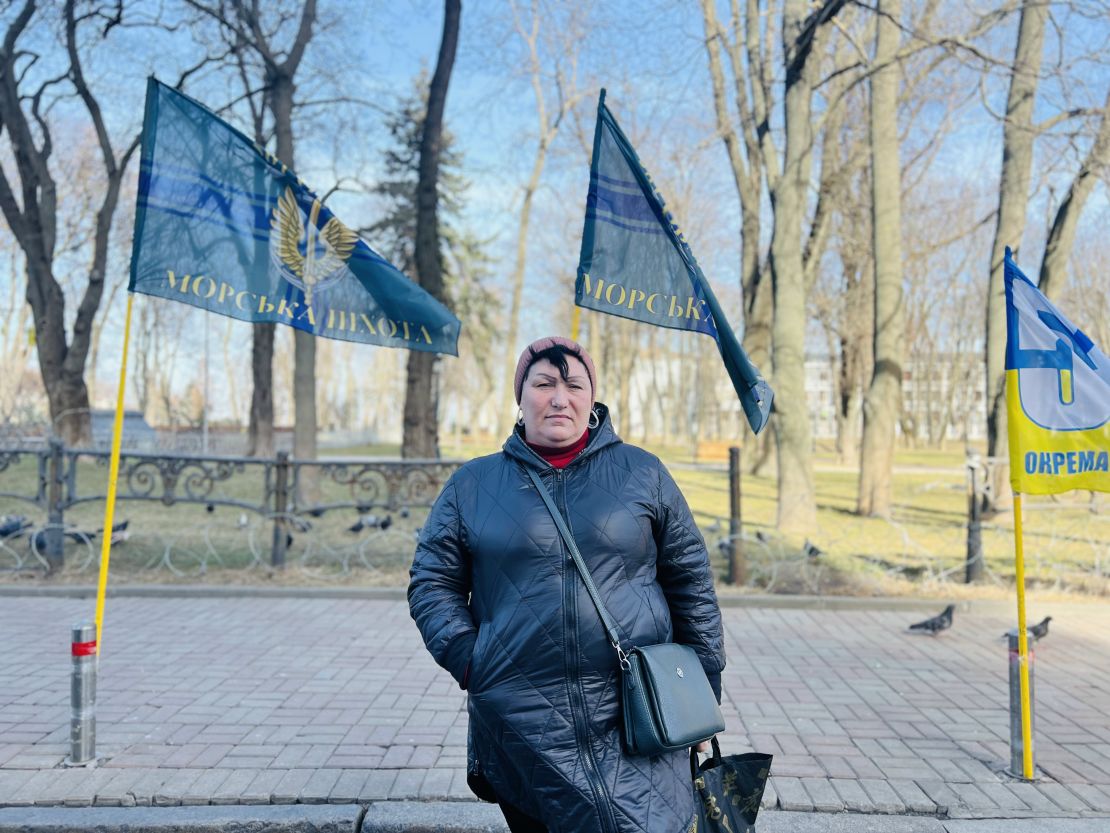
<point>687,579</point>
<point>439,587</point>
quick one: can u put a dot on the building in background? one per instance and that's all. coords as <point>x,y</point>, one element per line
<point>942,398</point>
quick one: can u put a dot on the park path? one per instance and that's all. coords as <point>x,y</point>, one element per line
<point>247,700</point>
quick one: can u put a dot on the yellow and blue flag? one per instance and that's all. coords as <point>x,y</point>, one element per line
<point>635,262</point>
<point>1057,396</point>
<point>222,224</point>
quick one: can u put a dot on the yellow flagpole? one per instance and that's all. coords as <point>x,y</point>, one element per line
<point>575,319</point>
<point>1023,646</point>
<point>113,474</point>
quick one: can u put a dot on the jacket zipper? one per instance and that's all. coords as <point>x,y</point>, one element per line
<point>574,678</point>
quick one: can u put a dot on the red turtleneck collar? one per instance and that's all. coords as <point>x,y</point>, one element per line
<point>559,457</point>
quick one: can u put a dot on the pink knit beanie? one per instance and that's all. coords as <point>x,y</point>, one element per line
<point>538,346</point>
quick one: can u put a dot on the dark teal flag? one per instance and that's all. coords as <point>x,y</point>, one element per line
<point>635,262</point>
<point>224,225</point>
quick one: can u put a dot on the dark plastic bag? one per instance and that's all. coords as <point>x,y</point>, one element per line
<point>728,790</point>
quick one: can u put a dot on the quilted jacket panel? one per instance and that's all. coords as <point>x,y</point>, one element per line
<point>499,603</point>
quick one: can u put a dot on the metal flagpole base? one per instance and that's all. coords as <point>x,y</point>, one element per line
<point>1017,756</point>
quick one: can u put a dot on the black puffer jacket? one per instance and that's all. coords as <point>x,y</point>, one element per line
<point>542,678</point>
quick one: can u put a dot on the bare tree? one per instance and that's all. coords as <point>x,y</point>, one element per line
<point>421,417</point>
<point>15,335</point>
<point>1019,135</point>
<point>249,31</point>
<point>751,156</point>
<point>1061,237</point>
<point>552,59</point>
<point>797,504</point>
<point>467,278</point>
<point>1086,292</point>
<point>33,215</point>
<point>1013,193</point>
<point>883,404</point>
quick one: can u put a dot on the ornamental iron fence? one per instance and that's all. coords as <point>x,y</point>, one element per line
<point>325,516</point>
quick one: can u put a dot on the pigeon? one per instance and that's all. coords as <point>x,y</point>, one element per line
<point>762,536</point>
<point>13,525</point>
<point>1040,630</point>
<point>118,536</point>
<point>365,521</point>
<point>371,522</point>
<point>811,550</point>
<point>940,622</point>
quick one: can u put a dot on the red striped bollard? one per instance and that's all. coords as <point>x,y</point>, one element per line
<point>82,695</point>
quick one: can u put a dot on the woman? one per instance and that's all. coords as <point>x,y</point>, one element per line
<point>502,607</point>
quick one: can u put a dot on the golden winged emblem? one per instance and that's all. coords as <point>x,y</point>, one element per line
<point>307,256</point>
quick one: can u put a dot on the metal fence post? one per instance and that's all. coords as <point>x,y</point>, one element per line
<point>55,520</point>
<point>82,695</point>
<point>737,564</point>
<point>974,563</point>
<point>281,505</point>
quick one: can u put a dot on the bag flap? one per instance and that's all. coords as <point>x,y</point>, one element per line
<point>680,692</point>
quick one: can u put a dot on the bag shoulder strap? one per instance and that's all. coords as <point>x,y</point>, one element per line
<point>587,579</point>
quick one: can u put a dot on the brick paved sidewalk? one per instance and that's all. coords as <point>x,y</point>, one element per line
<point>277,700</point>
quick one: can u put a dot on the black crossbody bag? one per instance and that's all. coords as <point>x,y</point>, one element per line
<point>668,704</point>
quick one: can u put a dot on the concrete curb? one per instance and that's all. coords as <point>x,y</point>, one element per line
<point>726,599</point>
<point>456,817</point>
<point>433,817</point>
<point>294,818</point>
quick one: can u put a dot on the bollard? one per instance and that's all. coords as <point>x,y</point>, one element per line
<point>281,506</point>
<point>974,563</point>
<point>82,695</point>
<point>737,564</point>
<point>1017,767</point>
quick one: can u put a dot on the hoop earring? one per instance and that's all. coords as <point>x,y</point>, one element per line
<point>520,416</point>
<point>594,420</point>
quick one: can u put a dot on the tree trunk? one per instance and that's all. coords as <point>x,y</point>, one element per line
<point>757,343</point>
<point>281,89</point>
<point>856,345</point>
<point>260,435</point>
<point>69,410</point>
<point>747,176</point>
<point>1017,160</point>
<point>260,430</point>
<point>421,416</point>
<point>883,404</point>
<point>1061,238</point>
<point>34,223</point>
<point>797,505</point>
<point>249,33</point>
